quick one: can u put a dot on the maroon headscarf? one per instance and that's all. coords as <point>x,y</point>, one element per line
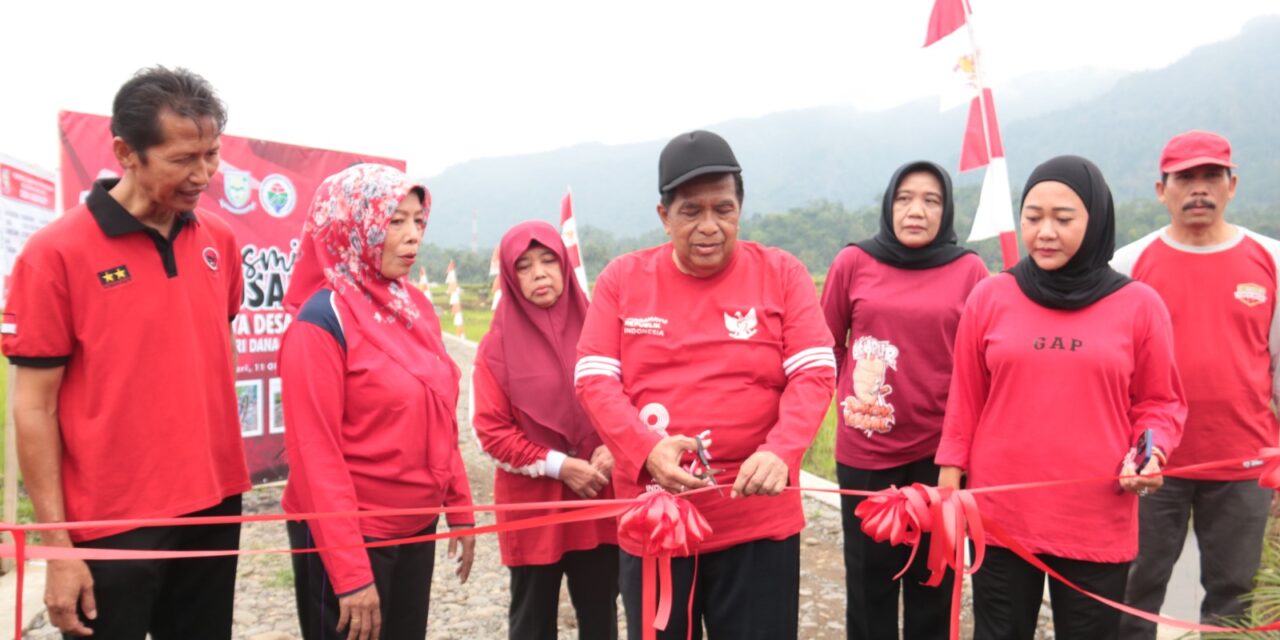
<point>531,351</point>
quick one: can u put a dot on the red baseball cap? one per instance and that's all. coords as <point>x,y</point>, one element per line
<point>1195,148</point>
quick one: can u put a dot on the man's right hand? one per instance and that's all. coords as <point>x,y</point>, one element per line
<point>362,610</point>
<point>582,477</point>
<point>68,583</point>
<point>663,464</point>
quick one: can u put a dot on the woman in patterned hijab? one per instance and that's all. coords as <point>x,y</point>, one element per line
<point>370,399</point>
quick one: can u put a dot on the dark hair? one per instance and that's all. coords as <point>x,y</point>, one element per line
<point>670,196</point>
<point>1164,176</point>
<point>135,114</point>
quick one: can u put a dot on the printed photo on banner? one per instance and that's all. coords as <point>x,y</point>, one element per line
<point>275,394</point>
<point>249,405</point>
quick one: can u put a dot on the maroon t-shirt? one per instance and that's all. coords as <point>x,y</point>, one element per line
<point>895,331</point>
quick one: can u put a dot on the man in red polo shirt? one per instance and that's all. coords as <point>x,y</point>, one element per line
<point>1219,282</point>
<point>117,321</point>
<point>722,340</point>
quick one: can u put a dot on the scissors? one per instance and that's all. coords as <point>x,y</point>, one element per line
<point>704,460</point>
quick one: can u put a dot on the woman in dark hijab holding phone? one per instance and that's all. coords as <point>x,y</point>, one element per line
<point>1063,369</point>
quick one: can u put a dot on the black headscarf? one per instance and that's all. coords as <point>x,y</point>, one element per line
<point>1087,277</point>
<point>885,246</point>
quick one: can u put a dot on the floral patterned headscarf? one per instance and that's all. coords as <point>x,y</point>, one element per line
<point>342,250</point>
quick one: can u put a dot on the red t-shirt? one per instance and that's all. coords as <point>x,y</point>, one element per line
<point>1046,394</point>
<point>1226,334</point>
<point>894,330</point>
<point>364,435</point>
<point>147,404</point>
<point>523,476</point>
<point>743,354</point>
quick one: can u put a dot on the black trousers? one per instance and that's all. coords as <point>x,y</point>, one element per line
<point>1230,520</point>
<point>1007,592</point>
<point>750,591</point>
<point>593,588</point>
<point>401,573</point>
<point>170,599</point>
<point>871,593</point>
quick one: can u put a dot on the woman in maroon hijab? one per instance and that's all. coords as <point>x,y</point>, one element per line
<point>528,419</point>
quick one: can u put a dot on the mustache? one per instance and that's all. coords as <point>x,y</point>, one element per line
<point>1199,203</point>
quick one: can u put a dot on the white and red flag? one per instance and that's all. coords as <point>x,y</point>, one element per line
<point>495,271</point>
<point>951,33</point>
<point>569,233</point>
<point>455,297</point>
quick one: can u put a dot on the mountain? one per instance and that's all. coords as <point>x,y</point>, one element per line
<point>840,154</point>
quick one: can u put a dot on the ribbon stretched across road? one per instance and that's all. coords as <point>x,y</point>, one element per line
<point>667,526</point>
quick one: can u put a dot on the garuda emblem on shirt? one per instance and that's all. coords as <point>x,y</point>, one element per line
<point>741,327</point>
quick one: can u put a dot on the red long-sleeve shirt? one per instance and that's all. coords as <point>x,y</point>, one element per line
<point>744,354</point>
<point>1045,394</point>
<point>909,318</point>
<point>523,475</point>
<point>361,431</point>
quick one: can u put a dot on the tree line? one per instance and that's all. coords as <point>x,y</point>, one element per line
<point>817,231</point>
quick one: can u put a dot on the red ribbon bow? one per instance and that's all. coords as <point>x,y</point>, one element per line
<point>1270,477</point>
<point>662,525</point>
<point>903,516</point>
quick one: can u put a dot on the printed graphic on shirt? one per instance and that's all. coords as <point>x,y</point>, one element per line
<point>656,417</point>
<point>649,326</point>
<point>867,408</point>
<point>741,327</point>
<point>1251,294</point>
<point>114,276</point>
<point>211,258</point>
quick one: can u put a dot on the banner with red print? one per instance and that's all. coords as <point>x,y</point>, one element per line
<point>262,189</point>
<point>26,204</point>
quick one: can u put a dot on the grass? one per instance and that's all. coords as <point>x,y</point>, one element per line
<point>820,459</point>
<point>1264,600</point>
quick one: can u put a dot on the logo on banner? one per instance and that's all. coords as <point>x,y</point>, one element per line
<point>211,258</point>
<point>277,195</point>
<point>237,191</point>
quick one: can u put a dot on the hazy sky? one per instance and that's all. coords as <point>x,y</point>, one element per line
<point>439,83</point>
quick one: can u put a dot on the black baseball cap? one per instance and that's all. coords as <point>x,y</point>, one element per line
<point>694,154</point>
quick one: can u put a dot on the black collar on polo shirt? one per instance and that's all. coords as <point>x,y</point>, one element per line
<point>116,221</point>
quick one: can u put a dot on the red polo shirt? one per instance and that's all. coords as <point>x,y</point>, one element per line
<point>147,404</point>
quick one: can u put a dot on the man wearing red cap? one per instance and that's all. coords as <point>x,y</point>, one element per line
<point>1219,282</point>
<point>708,351</point>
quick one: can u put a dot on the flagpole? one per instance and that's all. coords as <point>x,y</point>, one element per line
<point>577,231</point>
<point>1008,241</point>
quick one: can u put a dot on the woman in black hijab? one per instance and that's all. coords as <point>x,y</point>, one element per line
<point>892,303</point>
<point>1063,370</point>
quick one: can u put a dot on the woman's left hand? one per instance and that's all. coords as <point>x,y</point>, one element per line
<point>602,460</point>
<point>468,553</point>
<point>1142,485</point>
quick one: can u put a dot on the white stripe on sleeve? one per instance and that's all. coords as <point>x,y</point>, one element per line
<point>819,356</point>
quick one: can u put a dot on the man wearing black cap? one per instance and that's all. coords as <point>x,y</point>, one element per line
<point>1219,281</point>
<point>707,361</point>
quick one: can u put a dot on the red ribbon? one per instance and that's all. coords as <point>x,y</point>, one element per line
<point>1270,478</point>
<point>662,525</point>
